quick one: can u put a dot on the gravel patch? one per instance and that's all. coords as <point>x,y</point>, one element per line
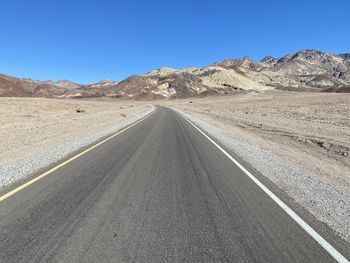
<point>19,169</point>
<point>328,202</point>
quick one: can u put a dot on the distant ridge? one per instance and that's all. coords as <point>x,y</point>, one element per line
<point>304,70</point>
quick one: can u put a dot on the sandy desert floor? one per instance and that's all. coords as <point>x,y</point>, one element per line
<point>32,125</point>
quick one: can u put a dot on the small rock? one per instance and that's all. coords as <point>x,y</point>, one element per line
<point>326,145</point>
<point>308,141</point>
<point>81,111</point>
<point>123,115</point>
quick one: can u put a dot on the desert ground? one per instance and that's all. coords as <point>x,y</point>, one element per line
<point>31,125</point>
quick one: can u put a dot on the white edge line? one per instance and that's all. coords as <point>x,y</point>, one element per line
<point>317,237</point>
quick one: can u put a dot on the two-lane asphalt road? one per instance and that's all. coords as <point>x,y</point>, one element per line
<point>158,192</point>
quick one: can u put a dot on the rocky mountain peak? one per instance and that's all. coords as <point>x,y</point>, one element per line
<point>268,61</point>
<point>245,62</point>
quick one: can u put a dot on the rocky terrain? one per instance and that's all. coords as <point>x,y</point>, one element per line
<point>307,70</point>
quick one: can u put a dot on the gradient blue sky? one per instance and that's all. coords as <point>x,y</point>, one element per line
<point>86,41</point>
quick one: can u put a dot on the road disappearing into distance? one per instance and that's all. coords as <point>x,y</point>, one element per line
<point>160,191</point>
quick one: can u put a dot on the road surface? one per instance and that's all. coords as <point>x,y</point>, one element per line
<point>158,192</point>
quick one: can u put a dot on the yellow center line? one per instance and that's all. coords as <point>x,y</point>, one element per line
<point>23,186</point>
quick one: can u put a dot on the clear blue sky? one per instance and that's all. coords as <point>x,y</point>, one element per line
<point>86,41</point>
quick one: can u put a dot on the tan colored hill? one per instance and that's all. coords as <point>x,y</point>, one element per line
<point>67,84</point>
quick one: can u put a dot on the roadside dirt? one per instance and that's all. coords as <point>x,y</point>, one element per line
<point>33,125</point>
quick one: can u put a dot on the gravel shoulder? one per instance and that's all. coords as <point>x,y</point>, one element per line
<point>36,132</point>
<point>300,141</point>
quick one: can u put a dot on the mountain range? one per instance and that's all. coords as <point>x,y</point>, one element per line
<point>307,70</point>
